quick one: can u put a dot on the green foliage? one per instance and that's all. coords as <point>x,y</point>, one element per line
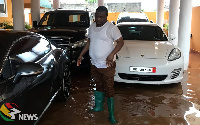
<point>91,1</point>
<point>9,25</point>
<point>166,26</point>
<point>27,26</point>
<point>6,25</point>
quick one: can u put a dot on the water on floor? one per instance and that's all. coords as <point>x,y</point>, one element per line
<point>135,104</point>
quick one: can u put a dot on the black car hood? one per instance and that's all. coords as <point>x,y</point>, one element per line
<point>76,33</point>
<point>61,27</point>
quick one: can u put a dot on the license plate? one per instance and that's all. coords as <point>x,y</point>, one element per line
<point>143,69</point>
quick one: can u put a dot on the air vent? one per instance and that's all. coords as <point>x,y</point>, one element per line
<point>175,73</point>
<point>142,77</point>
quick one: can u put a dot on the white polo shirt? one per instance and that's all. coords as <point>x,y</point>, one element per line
<point>102,42</point>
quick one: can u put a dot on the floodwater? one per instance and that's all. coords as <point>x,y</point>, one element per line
<point>135,104</point>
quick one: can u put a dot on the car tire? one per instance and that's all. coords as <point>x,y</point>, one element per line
<point>65,81</point>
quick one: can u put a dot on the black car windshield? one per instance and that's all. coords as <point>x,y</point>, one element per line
<point>64,19</point>
<point>126,19</point>
<point>29,49</point>
<point>142,32</point>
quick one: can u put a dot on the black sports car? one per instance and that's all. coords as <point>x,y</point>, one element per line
<point>33,71</point>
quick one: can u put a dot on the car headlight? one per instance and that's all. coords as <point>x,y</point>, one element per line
<point>78,44</point>
<point>174,54</point>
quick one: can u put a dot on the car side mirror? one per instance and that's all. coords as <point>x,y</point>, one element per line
<point>28,69</point>
<point>35,24</point>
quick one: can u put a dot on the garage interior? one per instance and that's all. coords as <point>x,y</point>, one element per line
<point>136,104</point>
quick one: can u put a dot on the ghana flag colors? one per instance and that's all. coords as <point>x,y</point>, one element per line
<point>5,110</point>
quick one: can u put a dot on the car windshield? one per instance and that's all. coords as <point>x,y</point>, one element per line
<point>126,19</point>
<point>29,49</point>
<point>64,19</point>
<point>142,32</point>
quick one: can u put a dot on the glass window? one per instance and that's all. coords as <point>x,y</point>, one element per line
<point>64,19</point>
<point>3,8</point>
<point>29,49</point>
<point>142,32</point>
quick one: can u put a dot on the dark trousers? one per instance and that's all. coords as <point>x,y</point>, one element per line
<point>104,79</point>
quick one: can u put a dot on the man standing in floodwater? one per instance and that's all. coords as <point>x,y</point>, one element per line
<point>101,37</point>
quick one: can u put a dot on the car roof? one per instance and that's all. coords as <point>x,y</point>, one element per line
<point>67,11</point>
<point>133,15</point>
<point>137,23</point>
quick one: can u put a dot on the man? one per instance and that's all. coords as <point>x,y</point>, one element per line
<point>101,37</point>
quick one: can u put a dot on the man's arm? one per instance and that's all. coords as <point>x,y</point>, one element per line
<point>85,49</point>
<point>109,60</point>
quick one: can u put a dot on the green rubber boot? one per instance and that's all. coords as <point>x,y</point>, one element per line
<point>110,102</point>
<point>99,101</point>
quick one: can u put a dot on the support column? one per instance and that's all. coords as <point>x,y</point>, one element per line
<point>174,20</point>
<point>185,29</point>
<point>100,3</point>
<point>56,4</point>
<point>18,14</point>
<point>35,10</point>
<point>160,13</point>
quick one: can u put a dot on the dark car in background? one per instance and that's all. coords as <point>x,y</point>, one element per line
<point>132,17</point>
<point>33,72</point>
<point>68,29</point>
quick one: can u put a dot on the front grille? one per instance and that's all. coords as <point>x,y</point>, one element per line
<point>142,77</point>
<point>60,41</point>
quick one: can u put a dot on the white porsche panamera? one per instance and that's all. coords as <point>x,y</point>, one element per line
<point>147,57</point>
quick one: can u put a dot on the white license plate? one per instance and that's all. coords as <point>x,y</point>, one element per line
<point>143,69</point>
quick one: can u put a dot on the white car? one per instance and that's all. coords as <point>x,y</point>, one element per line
<point>147,57</point>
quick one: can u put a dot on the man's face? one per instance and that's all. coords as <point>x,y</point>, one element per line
<point>100,18</point>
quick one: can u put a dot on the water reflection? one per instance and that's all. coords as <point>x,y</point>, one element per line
<point>135,104</point>
<point>192,116</point>
<point>151,104</point>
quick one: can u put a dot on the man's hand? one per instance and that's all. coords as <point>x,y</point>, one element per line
<point>109,60</point>
<point>85,49</point>
<point>80,58</point>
